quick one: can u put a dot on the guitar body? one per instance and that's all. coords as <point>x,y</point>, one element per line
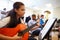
<point>26,35</point>
<point>13,31</point>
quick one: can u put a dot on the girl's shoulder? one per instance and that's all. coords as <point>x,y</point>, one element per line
<point>4,21</point>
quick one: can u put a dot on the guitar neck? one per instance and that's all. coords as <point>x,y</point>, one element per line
<point>27,29</point>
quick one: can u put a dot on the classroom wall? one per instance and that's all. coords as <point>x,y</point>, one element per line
<point>57,12</point>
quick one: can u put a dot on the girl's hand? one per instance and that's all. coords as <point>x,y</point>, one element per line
<point>16,37</point>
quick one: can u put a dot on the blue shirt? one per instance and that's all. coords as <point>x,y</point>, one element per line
<point>41,21</point>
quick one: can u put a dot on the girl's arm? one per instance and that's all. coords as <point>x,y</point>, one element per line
<point>2,37</point>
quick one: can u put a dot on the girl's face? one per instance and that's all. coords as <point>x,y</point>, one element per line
<point>21,11</point>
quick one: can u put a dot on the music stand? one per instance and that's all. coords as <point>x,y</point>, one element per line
<point>47,28</point>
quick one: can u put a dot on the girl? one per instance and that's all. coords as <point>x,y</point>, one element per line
<point>14,15</point>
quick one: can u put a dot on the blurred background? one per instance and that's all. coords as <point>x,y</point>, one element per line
<point>35,6</point>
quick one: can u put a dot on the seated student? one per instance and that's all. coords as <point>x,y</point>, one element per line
<point>14,16</point>
<point>27,19</point>
<point>42,21</point>
<point>35,30</point>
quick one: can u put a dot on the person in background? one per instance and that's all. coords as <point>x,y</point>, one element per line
<point>35,30</point>
<point>42,21</point>
<point>3,13</point>
<point>27,19</point>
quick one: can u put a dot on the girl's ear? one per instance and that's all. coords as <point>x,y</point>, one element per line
<point>16,10</point>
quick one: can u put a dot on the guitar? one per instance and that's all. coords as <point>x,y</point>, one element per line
<point>20,28</point>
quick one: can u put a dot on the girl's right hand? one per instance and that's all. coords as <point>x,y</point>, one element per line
<point>16,37</point>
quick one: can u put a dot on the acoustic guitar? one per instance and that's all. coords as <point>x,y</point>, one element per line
<point>20,29</point>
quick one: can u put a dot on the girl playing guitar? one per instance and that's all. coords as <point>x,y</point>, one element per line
<point>14,25</point>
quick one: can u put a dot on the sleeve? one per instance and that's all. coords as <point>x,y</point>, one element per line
<point>4,21</point>
<point>31,22</point>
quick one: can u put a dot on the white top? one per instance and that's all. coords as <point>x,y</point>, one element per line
<point>2,16</point>
<point>4,21</point>
<point>31,22</point>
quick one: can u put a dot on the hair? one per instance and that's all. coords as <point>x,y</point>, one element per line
<point>17,5</point>
<point>4,9</point>
<point>42,15</point>
<point>33,15</point>
<point>13,18</point>
<point>58,21</point>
